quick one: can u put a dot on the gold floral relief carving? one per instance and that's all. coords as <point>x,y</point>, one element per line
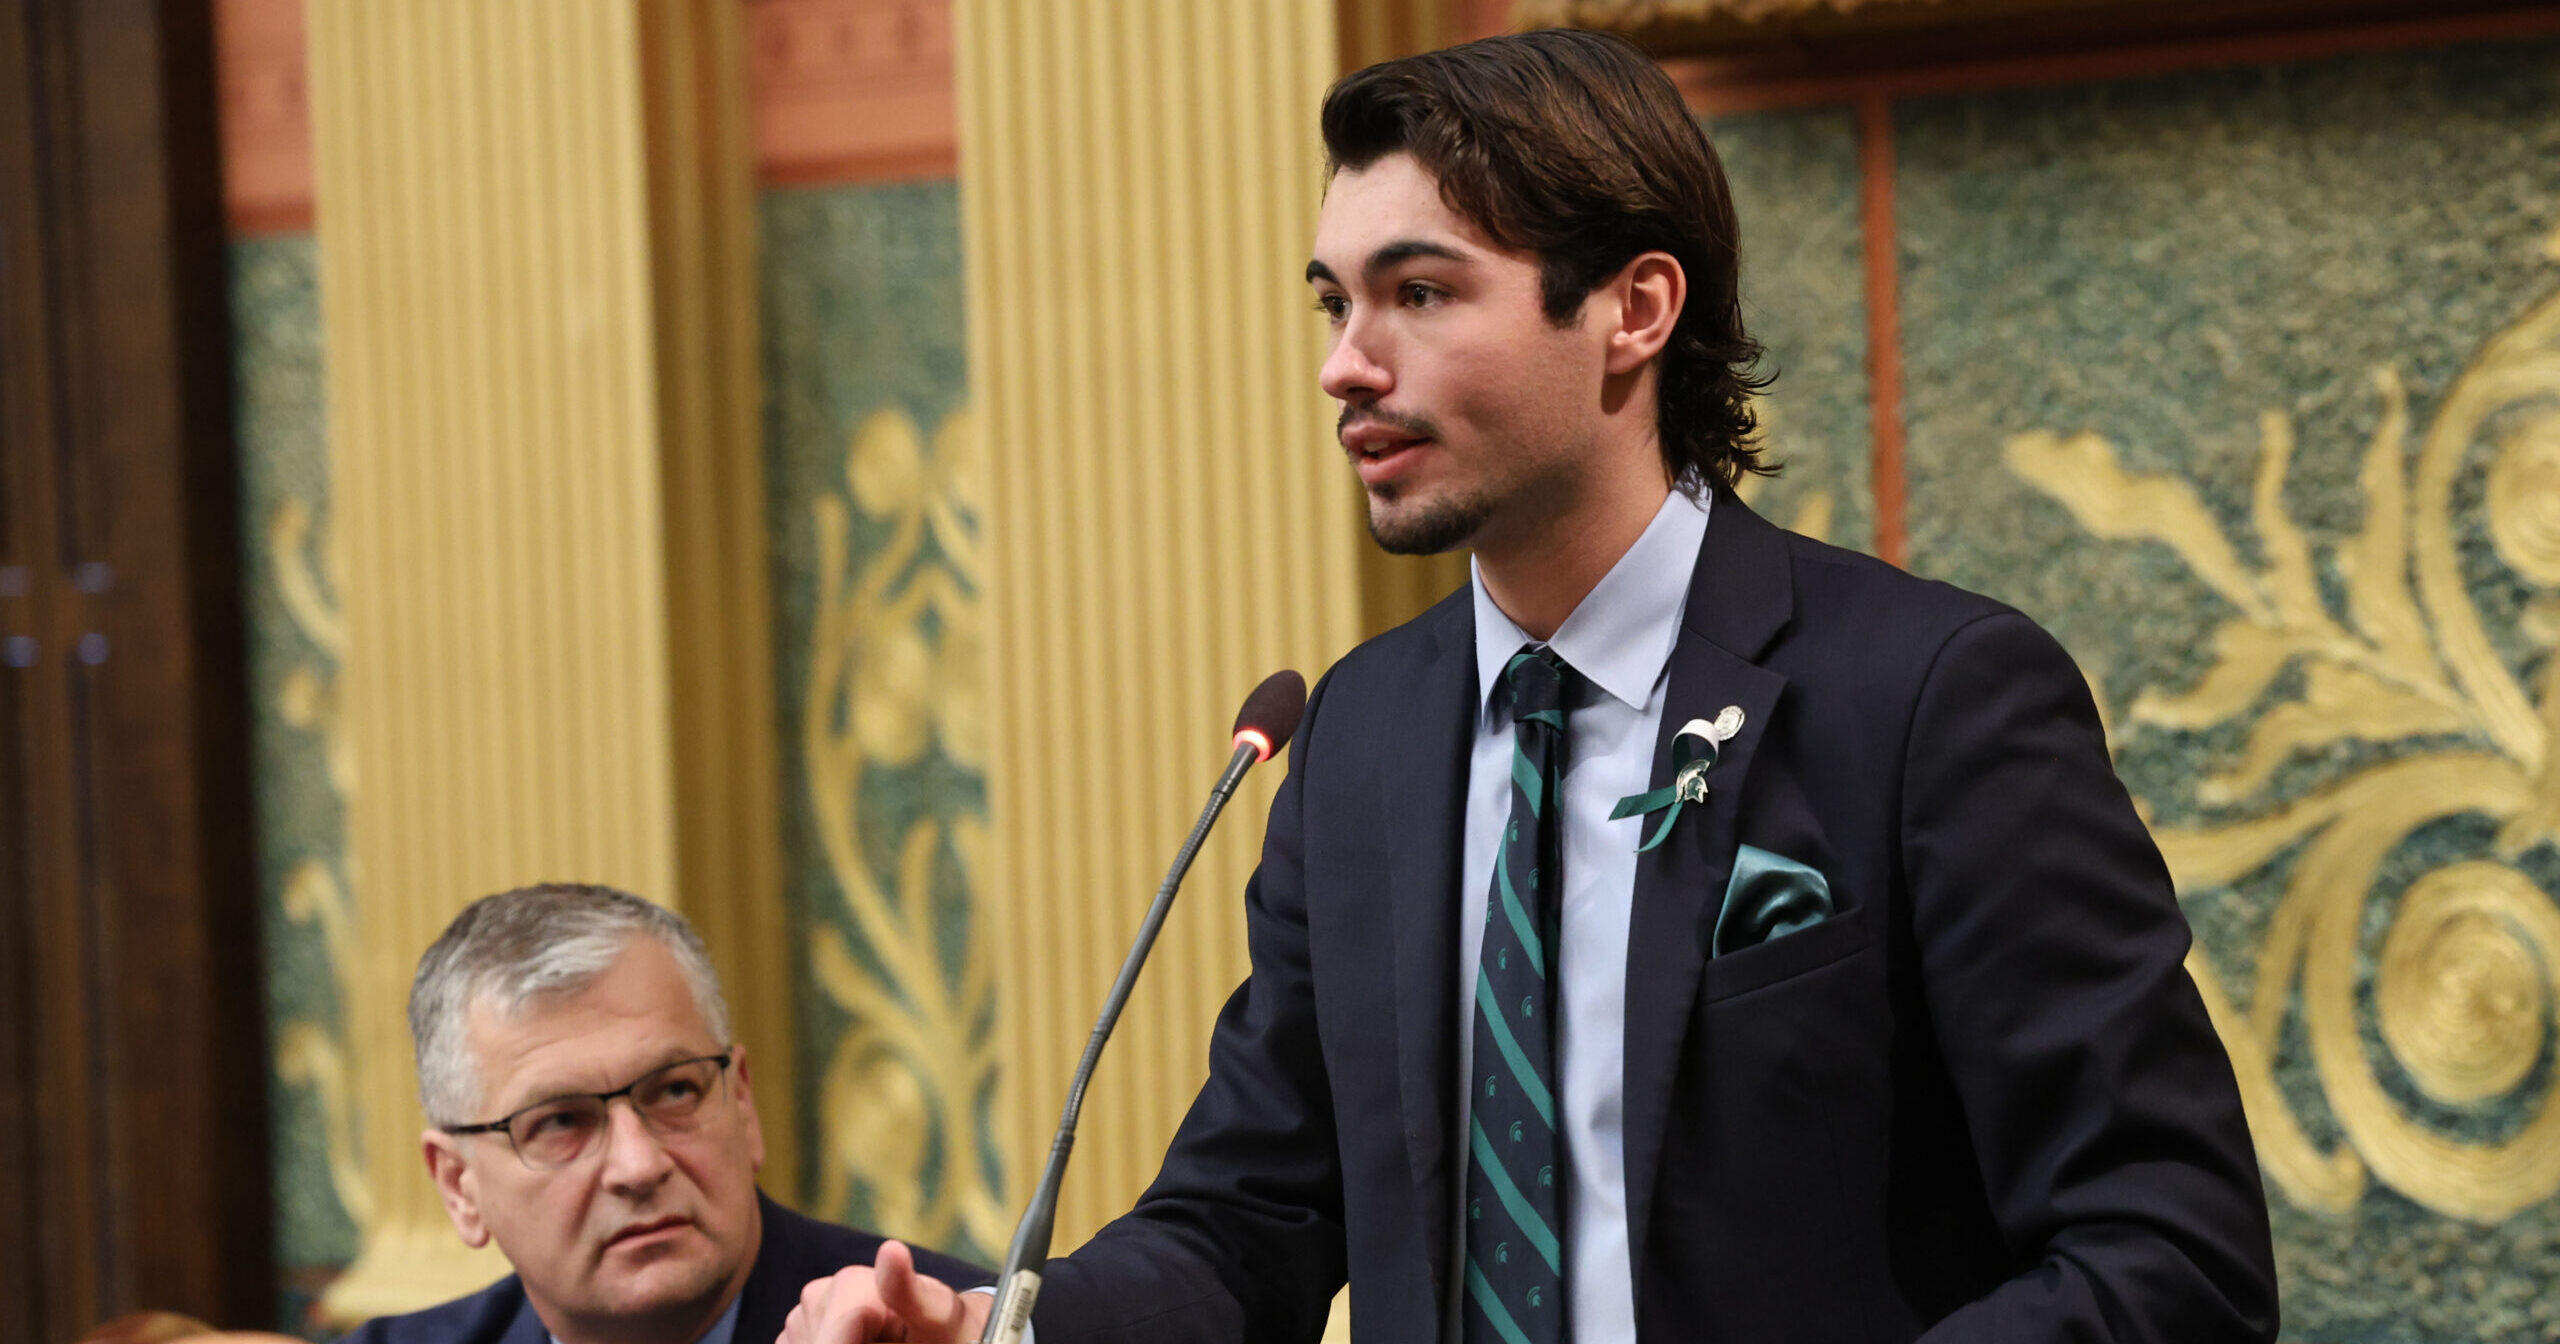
<point>2468,969</point>
<point>312,1054</point>
<point>897,668</point>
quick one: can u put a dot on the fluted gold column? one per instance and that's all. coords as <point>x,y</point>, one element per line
<point>728,774</point>
<point>508,414</point>
<point>1396,588</point>
<point>1169,518</point>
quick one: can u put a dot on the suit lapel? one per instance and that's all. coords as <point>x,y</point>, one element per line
<point>1426,761</point>
<point>1740,596</point>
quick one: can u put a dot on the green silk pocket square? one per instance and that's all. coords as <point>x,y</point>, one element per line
<point>1769,897</point>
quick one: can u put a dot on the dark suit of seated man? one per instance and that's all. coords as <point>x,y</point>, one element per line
<point>590,1114</point>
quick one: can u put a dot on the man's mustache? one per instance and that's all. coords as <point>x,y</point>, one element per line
<point>1412,425</point>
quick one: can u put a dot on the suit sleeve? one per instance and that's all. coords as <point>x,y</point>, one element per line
<point>1240,1236</point>
<point>2101,1106</point>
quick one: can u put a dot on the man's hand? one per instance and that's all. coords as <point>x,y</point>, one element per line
<point>887,1300</point>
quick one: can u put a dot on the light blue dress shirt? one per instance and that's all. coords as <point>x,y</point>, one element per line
<point>1619,639</point>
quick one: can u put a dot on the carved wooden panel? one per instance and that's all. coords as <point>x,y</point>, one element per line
<point>132,1161</point>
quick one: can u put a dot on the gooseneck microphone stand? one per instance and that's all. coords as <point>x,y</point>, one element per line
<point>1269,716</point>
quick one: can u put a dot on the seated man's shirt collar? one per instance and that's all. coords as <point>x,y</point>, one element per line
<point>722,1331</point>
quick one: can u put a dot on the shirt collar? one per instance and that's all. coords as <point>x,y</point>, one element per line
<point>725,1330</point>
<point>1621,635</point>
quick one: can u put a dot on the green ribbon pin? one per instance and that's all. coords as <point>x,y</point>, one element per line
<point>1693,753</point>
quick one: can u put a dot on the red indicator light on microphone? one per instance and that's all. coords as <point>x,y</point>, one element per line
<point>1260,742</point>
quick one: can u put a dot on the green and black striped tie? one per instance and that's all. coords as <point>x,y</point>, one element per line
<point>1515,1168</point>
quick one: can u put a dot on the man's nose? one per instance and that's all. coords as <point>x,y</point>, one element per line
<point>634,1158</point>
<point>1354,371</point>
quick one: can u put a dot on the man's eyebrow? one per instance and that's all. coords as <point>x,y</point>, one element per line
<point>564,1092</point>
<point>1389,257</point>
<point>1403,250</point>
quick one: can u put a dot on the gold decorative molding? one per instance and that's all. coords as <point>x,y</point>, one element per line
<point>708,372</point>
<point>1168,517</point>
<point>852,90</point>
<point>266,115</point>
<point>839,91</point>
<point>1700,26</point>
<point>540,384</point>
<point>1642,14</point>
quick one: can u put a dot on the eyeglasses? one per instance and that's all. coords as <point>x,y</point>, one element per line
<point>551,1134</point>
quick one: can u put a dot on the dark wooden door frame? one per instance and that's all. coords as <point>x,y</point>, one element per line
<point>133,1144</point>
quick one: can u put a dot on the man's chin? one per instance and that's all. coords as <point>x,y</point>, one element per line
<point>646,1280</point>
<point>1423,527</point>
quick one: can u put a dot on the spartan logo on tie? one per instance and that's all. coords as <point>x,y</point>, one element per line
<point>1515,1212</point>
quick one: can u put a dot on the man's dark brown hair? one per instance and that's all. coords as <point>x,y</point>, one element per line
<point>1575,148</point>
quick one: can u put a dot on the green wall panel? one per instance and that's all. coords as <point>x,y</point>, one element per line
<point>1795,189</point>
<point>2247,384</point>
<point>875,499</point>
<point>294,642</point>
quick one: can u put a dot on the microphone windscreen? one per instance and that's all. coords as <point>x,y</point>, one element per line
<point>1271,713</point>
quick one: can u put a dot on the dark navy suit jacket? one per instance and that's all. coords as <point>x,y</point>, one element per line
<point>795,1250</point>
<point>1981,1101</point>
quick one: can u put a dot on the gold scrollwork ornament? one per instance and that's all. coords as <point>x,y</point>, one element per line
<point>2469,966</point>
<point>897,670</point>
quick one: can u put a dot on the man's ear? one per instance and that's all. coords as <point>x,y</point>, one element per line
<point>746,1103</point>
<point>1650,292</point>
<point>457,1184</point>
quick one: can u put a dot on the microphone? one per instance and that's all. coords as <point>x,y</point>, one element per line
<point>1263,726</point>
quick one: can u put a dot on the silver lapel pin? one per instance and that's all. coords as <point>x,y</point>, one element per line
<point>1690,784</point>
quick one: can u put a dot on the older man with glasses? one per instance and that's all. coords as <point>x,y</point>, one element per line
<point>589,1113</point>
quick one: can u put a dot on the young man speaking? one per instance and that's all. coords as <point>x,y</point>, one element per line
<point>1688,931</point>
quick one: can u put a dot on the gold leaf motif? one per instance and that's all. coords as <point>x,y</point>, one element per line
<point>889,696</point>
<point>307,1056</point>
<point>2461,987</point>
<point>2470,962</point>
<point>312,896</point>
<point>896,672</point>
<point>298,584</point>
<point>2375,563</point>
<point>2082,473</point>
<point>2330,1182</point>
<point>2338,702</point>
<point>884,471</point>
<point>2247,658</point>
<point>959,497</point>
<point>2524,500</point>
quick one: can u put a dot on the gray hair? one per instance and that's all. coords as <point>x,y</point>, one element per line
<point>509,949</point>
